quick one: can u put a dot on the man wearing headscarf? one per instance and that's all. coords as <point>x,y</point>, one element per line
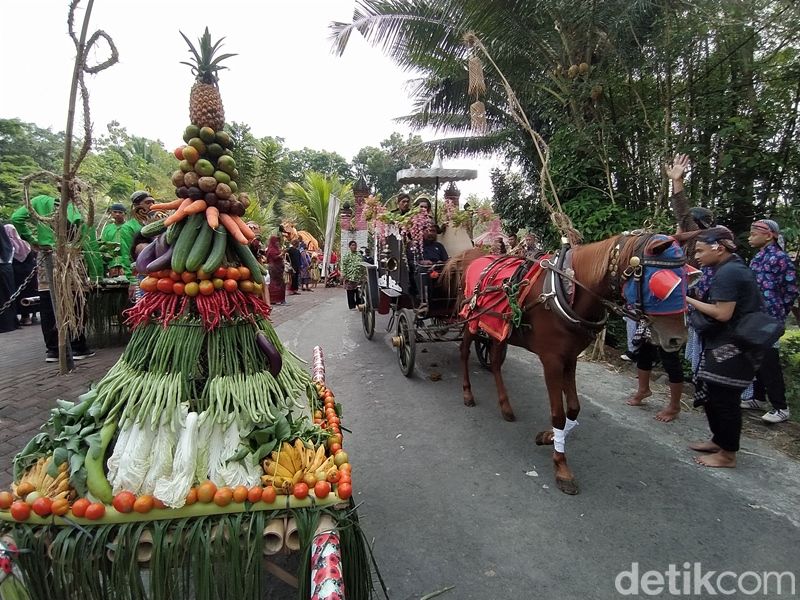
<point>777,280</point>
<point>141,201</point>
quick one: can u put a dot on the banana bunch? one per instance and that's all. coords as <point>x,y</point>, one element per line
<point>36,479</point>
<point>291,464</point>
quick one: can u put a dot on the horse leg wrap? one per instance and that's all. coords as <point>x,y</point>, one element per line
<point>559,437</point>
<point>569,426</point>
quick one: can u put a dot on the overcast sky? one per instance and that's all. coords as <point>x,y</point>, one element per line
<point>284,82</point>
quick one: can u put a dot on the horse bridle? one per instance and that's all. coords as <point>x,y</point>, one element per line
<point>557,298</point>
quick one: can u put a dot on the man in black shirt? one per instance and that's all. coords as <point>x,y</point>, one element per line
<point>432,251</point>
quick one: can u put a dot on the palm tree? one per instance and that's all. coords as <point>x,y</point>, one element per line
<point>307,203</point>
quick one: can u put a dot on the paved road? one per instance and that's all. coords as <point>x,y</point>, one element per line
<point>455,496</point>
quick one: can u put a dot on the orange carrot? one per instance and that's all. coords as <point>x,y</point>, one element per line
<point>246,231</point>
<point>179,214</point>
<point>167,205</point>
<point>232,228</point>
<point>212,216</point>
<point>196,207</point>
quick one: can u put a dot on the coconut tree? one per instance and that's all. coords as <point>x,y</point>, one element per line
<point>307,203</point>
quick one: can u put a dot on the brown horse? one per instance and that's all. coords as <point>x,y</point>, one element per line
<point>557,341</point>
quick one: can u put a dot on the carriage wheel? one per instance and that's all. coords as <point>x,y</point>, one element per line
<point>406,342</point>
<point>483,348</point>
<point>367,314</point>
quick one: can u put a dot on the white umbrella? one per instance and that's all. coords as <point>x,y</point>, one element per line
<point>435,174</point>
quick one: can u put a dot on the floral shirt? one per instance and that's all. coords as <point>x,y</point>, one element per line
<point>352,269</point>
<point>777,279</point>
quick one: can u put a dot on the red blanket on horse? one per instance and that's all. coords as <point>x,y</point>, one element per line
<point>487,306</point>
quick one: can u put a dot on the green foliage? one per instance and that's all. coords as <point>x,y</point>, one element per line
<point>790,361</point>
<point>307,204</point>
<point>245,151</point>
<point>296,164</point>
<point>379,166</point>
<point>615,88</point>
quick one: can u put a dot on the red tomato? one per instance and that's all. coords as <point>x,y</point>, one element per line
<point>206,287</point>
<point>79,507</point>
<point>344,490</point>
<point>233,273</point>
<point>230,285</point>
<point>300,491</point>
<point>149,284</point>
<point>158,503</point>
<point>203,275</point>
<point>96,510</point>
<point>218,283</point>
<point>143,504</point>
<point>322,489</point>
<point>20,510</point>
<point>42,506</point>
<point>178,152</point>
<point>175,276</point>
<point>221,272</point>
<point>191,497</point>
<point>124,501</point>
<point>333,477</point>
<point>178,288</point>
<point>165,285</point>
<point>188,277</point>
<point>269,494</point>
<point>335,447</point>
<point>6,500</point>
<point>244,273</point>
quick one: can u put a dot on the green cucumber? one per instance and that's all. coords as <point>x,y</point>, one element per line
<point>200,248</point>
<point>153,229</point>
<point>249,261</point>
<point>185,241</point>
<point>173,231</point>
<point>217,254</point>
<point>96,479</point>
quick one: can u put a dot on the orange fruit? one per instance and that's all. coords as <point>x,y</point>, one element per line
<point>246,286</point>
<point>158,503</point>
<point>143,504</point>
<point>96,510</point>
<point>205,493</point>
<point>206,287</point>
<point>191,497</point>
<point>233,273</point>
<point>223,496</point>
<point>165,285</point>
<point>322,489</point>
<point>124,501</point>
<point>60,507</point>
<point>42,506</point>
<point>244,273</point>
<point>203,275</point>
<point>178,288</point>
<point>188,277</point>
<point>240,493</point>
<point>79,507</point>
<point>300,490</point>
<point>20,510</point>
<point>269,494</point>
<point>230,285</point>
<point>344,490</point>
<point>254,494</point>
<point>6,500</point>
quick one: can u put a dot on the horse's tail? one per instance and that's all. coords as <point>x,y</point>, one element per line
<point>453,275</point>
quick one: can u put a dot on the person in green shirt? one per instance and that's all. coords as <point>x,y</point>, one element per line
<point>110,235</point>
<point>43,238</point>
<point>141,202</point>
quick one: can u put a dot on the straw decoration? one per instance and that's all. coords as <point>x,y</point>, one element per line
<point>477,85</point>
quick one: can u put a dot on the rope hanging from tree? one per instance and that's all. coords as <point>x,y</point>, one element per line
<point>477,87</point>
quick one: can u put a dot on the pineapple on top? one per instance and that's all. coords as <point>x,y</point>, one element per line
<point>205,102</point>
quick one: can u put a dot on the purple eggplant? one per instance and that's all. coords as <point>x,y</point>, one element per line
<point>161,244</point>
<point>272,354</point>
<point>162,262</point>
<point>145,257</point>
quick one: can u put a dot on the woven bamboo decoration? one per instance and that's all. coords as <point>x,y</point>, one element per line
<point>477,85</point>
<point>477,115</point>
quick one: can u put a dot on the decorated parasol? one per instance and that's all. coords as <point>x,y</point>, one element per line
<point>436,174</point>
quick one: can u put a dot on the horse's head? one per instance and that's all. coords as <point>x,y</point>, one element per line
<point>657,287</point>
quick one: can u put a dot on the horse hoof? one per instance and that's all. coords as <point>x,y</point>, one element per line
<point>469,402</point>
<point>544,438</point>
<point>568,486</point>
<point>509,416</point>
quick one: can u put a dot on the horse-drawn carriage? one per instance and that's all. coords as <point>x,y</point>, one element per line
<point>421,305</point>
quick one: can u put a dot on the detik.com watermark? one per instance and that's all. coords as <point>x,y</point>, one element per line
<point>692,580</point>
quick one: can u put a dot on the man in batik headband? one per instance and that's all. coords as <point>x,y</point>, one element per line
<point>777,280</point>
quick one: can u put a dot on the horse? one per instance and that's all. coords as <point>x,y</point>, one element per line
<point>558,330</point>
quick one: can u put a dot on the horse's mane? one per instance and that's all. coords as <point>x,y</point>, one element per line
<point>591,261</point>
